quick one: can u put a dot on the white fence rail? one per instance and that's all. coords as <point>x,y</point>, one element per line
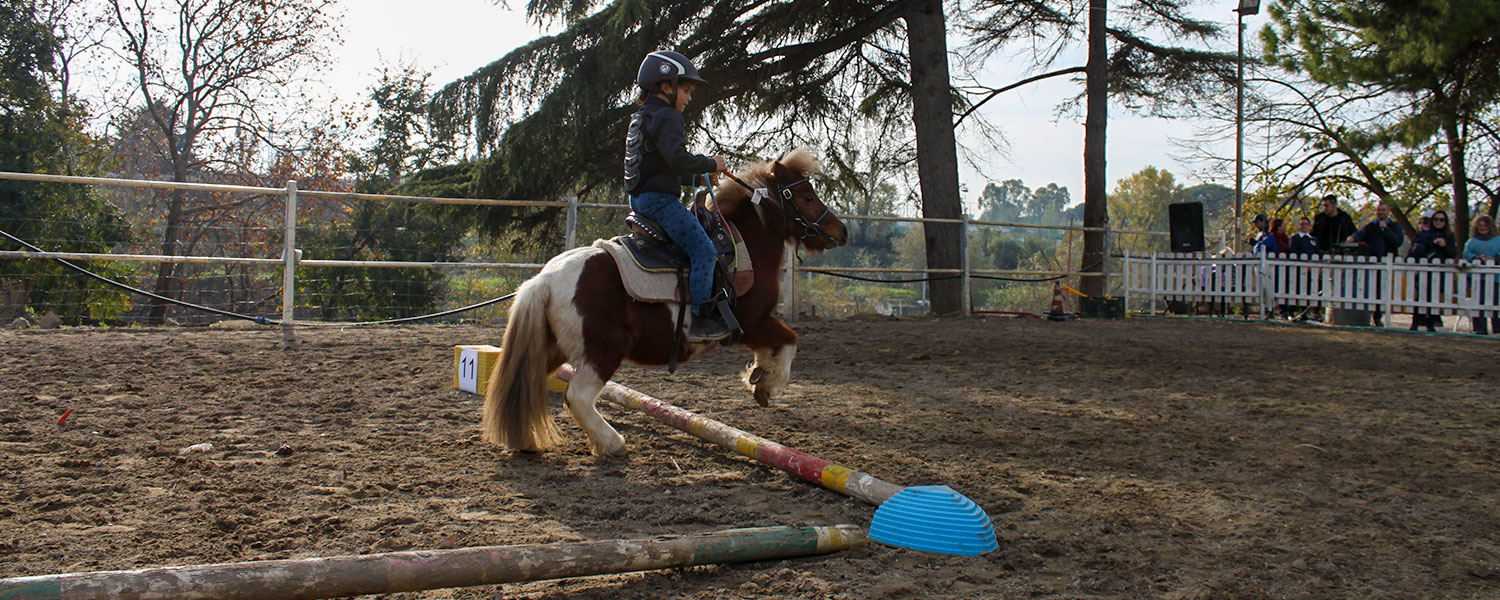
<point>1392,285</point>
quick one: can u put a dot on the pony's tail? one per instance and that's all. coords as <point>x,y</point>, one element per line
<point>515,402</point>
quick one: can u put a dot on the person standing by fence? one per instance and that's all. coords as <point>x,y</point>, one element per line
<point>1484,245</point>
<point>1381,238</point>
<point>1265,240</point>
<point>1332,226</point>
<point>1278,229</point>
<point>1433,243</point>
<point>1303,244</point>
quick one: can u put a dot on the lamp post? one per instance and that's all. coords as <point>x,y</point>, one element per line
<point>1246,7</point>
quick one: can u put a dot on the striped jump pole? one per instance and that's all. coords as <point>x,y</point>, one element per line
<point>826,473</point>
<point>929,518</point>
<point>340,576</point>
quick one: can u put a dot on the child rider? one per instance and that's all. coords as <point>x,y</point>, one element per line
<point>657,163</point>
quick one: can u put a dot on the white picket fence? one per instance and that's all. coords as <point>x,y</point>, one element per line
<point>1393,285</point>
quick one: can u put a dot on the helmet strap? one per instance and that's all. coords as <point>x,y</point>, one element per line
<point>671,97</point>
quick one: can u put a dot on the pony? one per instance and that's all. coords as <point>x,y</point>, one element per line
<point>576,310</point>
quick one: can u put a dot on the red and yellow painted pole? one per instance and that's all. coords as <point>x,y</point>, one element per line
<point>823,472</point>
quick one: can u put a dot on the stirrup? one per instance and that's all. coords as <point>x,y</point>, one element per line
<point>708,327</point>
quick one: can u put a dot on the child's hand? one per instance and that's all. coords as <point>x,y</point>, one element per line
<point>719,164</point>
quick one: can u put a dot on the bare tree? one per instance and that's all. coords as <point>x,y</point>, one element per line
<point>207,71</point>
<point>1320,139</point>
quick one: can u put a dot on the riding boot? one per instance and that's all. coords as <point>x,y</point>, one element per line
<point>1481,327</point>
<point>1434,321</point>
<point>708,325</point>
<point>1416,322</point>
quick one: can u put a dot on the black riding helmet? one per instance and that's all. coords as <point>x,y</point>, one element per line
<point>665,66</point>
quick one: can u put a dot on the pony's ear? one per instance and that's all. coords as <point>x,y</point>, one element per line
<point>782,172</point>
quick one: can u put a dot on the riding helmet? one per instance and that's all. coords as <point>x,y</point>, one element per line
<point>666,66</point>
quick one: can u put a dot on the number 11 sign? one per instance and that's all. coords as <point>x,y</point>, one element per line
<point>472,366</point>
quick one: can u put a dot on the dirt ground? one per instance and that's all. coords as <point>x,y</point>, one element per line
<point>1145,458</point>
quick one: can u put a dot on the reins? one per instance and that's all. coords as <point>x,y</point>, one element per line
<point>784,194</point>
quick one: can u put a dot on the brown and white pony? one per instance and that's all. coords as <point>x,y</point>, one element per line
<point>576,310</point>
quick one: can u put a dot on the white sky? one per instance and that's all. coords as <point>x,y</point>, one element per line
<point>452,38</point>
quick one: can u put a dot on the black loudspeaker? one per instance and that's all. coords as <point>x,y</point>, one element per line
<point>1187,226</point>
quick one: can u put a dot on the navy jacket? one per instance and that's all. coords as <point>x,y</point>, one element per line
<point>1426,245</point>
<point>1381,241</point>
<point>1268,241</point>
<point>656,156</point>
<point>1304,244</point>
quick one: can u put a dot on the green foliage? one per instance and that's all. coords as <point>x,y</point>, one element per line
<point>1004,202</point>
<point>41,134</point>
<point>394,231</point>
<point>391,231</point>
<point>1139,203</point>
<point>1012,202</point>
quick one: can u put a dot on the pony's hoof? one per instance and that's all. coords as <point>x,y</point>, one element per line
<point>612,448</point>
<point>756,376</point>
<point>762,396</point>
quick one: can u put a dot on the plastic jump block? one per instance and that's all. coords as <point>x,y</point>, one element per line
<point>934,518</point>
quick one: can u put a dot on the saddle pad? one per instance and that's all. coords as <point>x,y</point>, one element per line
<point>649,285</point>
<point>640,284</point>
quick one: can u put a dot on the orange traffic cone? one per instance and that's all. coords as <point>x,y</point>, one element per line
<point>1057,313</point>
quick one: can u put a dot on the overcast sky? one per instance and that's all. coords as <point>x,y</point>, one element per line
<point>452,38</point>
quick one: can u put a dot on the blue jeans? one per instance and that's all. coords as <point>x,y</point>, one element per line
<point>667,211</point>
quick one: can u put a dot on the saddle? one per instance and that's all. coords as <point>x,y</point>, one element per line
<point>653,268</point>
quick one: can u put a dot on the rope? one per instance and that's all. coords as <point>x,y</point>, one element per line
<point>874,280</point>
<point>258,320</point>
<point>409,319</point>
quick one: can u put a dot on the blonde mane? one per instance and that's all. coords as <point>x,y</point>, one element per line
<point>762,175</point>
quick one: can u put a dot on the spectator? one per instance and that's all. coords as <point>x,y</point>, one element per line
<point>1278,229</point>
<point>1485,245</point>
<point>1333,225</point>
<point>1434,242</point>
<point>1303,242</point>
<point>1381,237</point>
<point>1264,240</point>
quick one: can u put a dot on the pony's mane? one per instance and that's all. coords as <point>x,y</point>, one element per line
<point>762,175</point>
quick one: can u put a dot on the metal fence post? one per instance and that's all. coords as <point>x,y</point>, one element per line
<point>964,263</point>
<point>289,263</point>
<point>572,232</point>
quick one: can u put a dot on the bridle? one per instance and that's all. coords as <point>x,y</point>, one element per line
<point>783,193</point>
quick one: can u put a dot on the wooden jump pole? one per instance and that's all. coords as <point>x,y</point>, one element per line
<point>338,576</point>
<point>823,472</point>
